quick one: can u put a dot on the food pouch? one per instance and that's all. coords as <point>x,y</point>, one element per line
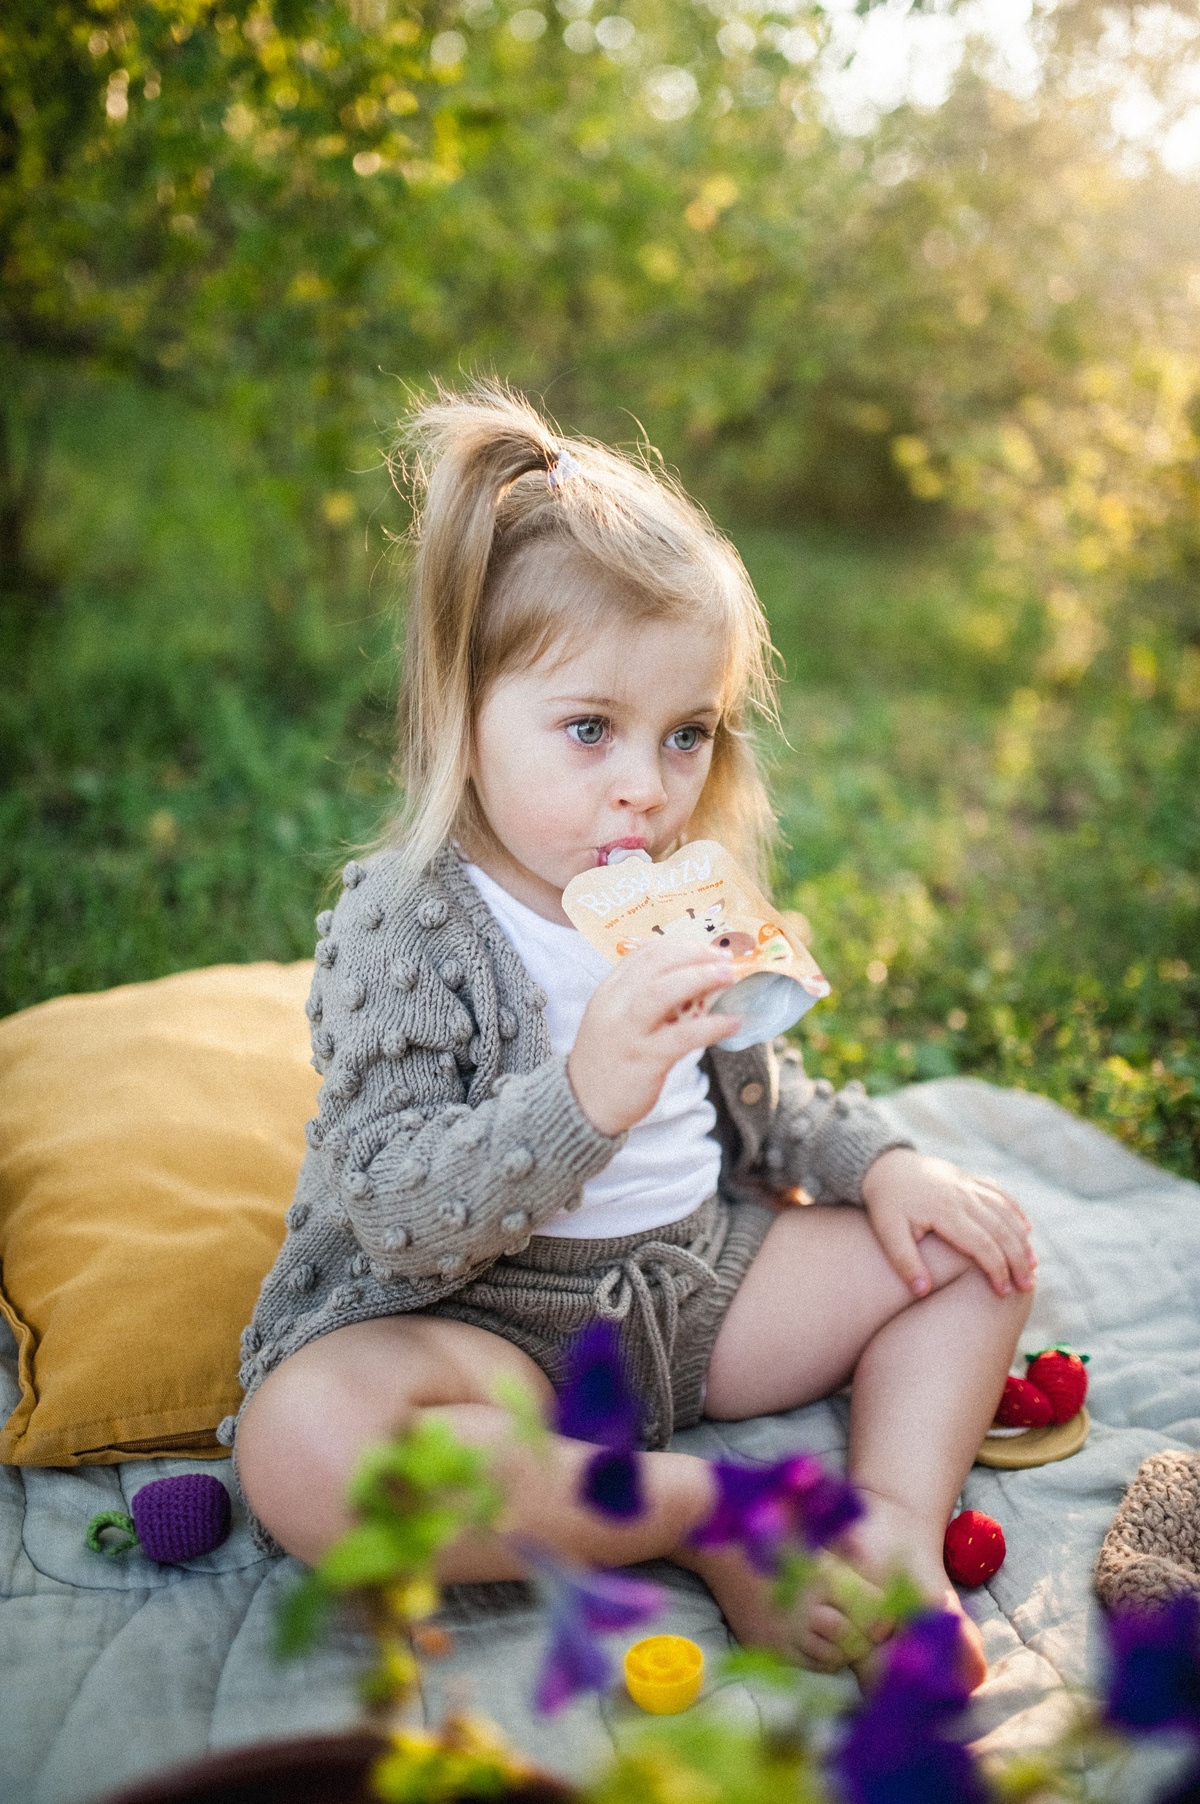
<point>701,894</point>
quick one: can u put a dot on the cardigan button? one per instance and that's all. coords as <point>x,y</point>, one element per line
<point>751,1093</point>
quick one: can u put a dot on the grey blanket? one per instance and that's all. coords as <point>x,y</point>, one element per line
<point>109,1671</point>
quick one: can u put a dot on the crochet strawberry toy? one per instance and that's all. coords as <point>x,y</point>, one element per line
<point>1023,1405</point>
<point>1059,1375</point>
<point>974,1548</point>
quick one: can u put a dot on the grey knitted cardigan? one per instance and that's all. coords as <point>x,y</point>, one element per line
<point>447,1131</point>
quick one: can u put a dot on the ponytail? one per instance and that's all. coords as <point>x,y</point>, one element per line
<point>470,449</point>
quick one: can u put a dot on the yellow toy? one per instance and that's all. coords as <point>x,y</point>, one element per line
<point>664,1673</point>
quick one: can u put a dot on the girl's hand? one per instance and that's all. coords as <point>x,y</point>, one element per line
<point>641,1021</point>
<point>908,1194</point>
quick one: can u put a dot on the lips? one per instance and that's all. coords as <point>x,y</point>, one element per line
<point>604,854</point>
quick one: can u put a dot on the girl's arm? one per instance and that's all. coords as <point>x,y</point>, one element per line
<point>451,1187</point>
<point>834,1144</point>
<point>440,1164</point>
<point>439,1161</point>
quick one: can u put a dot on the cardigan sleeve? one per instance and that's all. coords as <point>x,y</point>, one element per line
<point>452,1188</point>
<point>439,1164</point>
<point>825,1140</point>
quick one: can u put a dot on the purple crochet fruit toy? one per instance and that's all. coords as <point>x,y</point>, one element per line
<point>173,1519</point>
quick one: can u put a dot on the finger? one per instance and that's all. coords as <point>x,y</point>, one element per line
<point>972,1238</point>
<point>999,1222</point>
<point>996,1193</point>
<point>900,1249</point>
<point>670,991</point>
<point>664,955</point>
<point>1000,1218</point>
<point>1014,1242</point>
<point>675,1040</point>
<point>818,1654</point>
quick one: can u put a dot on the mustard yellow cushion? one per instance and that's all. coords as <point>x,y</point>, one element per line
<point>150,1138</point>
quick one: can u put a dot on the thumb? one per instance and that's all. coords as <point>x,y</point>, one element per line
<point>896,1239</point>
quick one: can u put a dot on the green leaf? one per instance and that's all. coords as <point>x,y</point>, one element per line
<point>761,1664</point>
<point>434,1459</point>
<point>373,1553</point>
<point>521,1404</point>
<point>300,1616</point>
<point>796,1570</point>
<point>901,1599</point>
<point>428,1457</point>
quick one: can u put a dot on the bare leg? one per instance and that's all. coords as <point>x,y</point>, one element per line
<point>306,1427</point>
<point>821,1302</point>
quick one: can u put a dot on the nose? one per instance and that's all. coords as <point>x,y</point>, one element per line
<point>637,781</point>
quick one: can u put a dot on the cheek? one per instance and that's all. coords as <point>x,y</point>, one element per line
<point>528,783</point>
<point>691,779</point>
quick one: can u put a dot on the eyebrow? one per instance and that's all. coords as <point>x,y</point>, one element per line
<point>601,702</point>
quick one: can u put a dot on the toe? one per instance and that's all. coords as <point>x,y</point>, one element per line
<point>819,1654</point>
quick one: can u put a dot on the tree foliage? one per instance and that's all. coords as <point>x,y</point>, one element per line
<point>283,205</point>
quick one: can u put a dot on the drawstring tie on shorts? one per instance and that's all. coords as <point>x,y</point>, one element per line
<point>677,1273</point>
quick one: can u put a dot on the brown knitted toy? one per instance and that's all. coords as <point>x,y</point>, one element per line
<point>1151,1553</point>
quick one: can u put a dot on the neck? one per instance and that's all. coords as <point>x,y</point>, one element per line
<point>521,883</point>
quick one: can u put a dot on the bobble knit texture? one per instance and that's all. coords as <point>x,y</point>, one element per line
<point>447,1131</point>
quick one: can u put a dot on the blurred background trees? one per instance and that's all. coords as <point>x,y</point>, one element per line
<point>909,294</point>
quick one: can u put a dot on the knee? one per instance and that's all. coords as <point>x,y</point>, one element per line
<point>298,1443</point>
<point>947,1265</point>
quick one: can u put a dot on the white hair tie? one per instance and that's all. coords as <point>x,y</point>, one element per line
<point>562,469</point>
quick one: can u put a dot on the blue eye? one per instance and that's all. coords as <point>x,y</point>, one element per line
<point>686,739</point>
<point>587,732</point>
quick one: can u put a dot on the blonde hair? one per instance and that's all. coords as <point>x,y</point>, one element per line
<point>523,540</point>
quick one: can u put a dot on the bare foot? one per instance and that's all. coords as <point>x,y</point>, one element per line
<point>817,1633</point>
<point>892,1537</point>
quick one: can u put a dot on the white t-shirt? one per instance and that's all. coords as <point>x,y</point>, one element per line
<point>669,1164</point>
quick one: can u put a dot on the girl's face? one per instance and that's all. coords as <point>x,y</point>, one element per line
<point>608,745</point>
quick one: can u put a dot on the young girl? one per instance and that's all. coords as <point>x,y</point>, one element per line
<point>515,1139</point>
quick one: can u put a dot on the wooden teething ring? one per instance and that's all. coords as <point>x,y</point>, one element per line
<point>1037,1446</point>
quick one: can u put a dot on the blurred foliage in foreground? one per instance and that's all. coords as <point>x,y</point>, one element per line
<point>941,373</point>
<point>1001,878</point>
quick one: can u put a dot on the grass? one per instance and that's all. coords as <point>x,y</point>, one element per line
<point>1002,877</point>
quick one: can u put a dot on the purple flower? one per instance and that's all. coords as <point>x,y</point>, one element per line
<point>574,1662</point>
<point>762,1507</point>
<point>596,1404</point>
<point>898,1750</point>
<point>583,1604</point>
<point>612,1484</point>
<point>826,1506</point>
<point>1155,1677</point>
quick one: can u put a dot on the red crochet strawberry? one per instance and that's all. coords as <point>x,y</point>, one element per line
<point>974,1548</point>
<point>1058,1374</point>
<point>1023,1406</point>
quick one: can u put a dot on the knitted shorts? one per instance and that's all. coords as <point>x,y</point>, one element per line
<point>667,1291</point>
